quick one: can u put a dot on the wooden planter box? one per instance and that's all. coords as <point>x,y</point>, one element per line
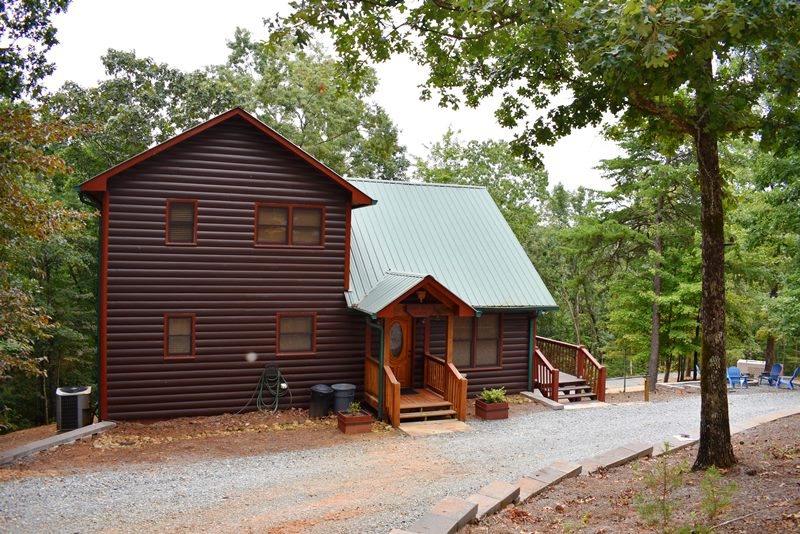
<point>491,411</point>
<point>354,424</point>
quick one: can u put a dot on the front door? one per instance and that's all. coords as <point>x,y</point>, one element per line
<point>398,350</point>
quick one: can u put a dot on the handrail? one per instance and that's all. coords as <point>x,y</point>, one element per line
<point>371,366</point>
<point>576,360</point>
<point>547,375</point>
<point>443,378</point>
<point>391,389</point>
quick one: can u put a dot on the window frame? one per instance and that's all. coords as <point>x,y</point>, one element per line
<point>290,223</point>
<point>192,335</point>
<point>170,202</point>
<point>278,316</point>
<point>474,344</point>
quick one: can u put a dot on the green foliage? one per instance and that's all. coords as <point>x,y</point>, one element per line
<point>716,495</point>
<point>26,34</point>
<point>493,395</point>
<point>516,186</point>
<point>657,503</point>
<point>354,408</point>
<point>300,93</point>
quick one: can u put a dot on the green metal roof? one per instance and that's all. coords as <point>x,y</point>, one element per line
<point>454,233</point>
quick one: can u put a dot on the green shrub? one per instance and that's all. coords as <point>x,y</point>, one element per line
<point>493,395</point>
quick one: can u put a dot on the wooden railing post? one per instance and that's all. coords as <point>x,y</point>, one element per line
<point>554,386</point>
<point>601,386</point>
<point>580,362</point>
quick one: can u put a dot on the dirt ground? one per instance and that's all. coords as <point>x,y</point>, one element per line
<point>660,395</point>
<point>766,499</point>
<point>193,438</point>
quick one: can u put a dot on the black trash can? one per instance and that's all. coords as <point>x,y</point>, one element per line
<point>321,398</point>
<point>343,395</point>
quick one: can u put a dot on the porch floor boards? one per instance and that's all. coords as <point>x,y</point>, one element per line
<point>421,399</point>
<point>566,379</point>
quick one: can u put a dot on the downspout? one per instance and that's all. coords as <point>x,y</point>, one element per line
<point>531,343</point>
<point>379,328</point>
<point>90,201</point>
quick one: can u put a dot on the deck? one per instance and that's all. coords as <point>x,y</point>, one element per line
<point>419,399</point>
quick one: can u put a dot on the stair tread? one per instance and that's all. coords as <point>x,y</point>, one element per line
<point>430,413</point>
<point>576,395</point>
<point>575,388</point>
<point>425,406</point>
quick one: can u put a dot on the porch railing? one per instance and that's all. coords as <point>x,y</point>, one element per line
<point>391,395</point>
<point>575,360</point>
<point>371,366</point>
<point>443,378</point>
<point>545,375</point>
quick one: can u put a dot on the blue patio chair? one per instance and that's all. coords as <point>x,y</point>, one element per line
<point>772,376</point>
<point>787,381</point>
<point>735,376</point>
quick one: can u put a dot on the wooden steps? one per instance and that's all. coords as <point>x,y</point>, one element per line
<point>424,405</point>
<point>575,389</point>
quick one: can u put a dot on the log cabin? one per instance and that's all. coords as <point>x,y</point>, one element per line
<point>228,248</point>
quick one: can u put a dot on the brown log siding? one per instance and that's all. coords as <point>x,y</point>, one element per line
<point>234,288</point>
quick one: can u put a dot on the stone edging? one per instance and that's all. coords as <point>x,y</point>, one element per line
<point>54,441</point>
<point>452,513</point>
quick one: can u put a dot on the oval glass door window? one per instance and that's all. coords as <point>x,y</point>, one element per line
<point>396,340</point>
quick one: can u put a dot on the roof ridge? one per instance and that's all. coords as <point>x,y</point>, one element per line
<point>410,275</point>
<point>426,184</point>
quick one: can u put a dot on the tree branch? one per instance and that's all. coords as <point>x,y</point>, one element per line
<point>642,103</point>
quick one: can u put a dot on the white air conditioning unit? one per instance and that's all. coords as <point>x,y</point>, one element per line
<point>73,407</point>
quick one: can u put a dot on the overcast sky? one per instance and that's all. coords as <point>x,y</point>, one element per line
<point>190,34</point>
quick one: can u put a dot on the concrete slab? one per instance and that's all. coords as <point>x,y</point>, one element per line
<point>616,457</point>
<point>529,487</point>
<point>502,491</point>
<point>586,404</point>
<point>537,397</point>
<point>556,472</point>
<point>486,505</point>
<point>459,509</point>
<point>432,428</point>
<point>434,524</point>
<point>54,441</point>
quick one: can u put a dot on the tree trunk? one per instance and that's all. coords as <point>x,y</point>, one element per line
<point>769,353</point>
<point>655,328</point>
<point>715,434</point>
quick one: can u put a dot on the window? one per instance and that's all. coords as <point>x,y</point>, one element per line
<point>297,334</point>
<point>293,226</point>
<point>179,336</point>
<point>476,342</point>
<point>181,222</point>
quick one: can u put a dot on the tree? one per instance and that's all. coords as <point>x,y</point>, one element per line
<point>26,35</point>
<point>698,71</point>
<point>516,186</point>
<point>300,93</point>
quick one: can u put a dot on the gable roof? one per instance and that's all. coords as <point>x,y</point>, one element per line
<point>456,234</point>
<point>396,286</point>
<point>100,182</point>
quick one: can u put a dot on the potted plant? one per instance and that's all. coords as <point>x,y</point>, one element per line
<point>354,420</point>
<point>492,404</point>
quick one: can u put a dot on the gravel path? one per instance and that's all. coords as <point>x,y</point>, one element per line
<point>354,487</point>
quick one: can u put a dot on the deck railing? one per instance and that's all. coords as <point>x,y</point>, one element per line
<point>371,366</point>
<point>545,375</point>
<point>575,360</point>
<point>443,378</point>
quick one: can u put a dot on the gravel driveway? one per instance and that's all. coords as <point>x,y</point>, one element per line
<point>354,487</point>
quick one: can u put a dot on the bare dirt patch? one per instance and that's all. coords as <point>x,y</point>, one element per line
<point>661,394</point>
<point>767,498</point>
<point>182,439</point>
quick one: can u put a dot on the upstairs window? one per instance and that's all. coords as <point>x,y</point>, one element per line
<point>179,336</point>
<point>476,342</point>
<point>181,222</point>
<point>292,226</point>
<point>296,334</point>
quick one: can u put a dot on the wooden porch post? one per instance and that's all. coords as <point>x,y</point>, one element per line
<point>448,355</point>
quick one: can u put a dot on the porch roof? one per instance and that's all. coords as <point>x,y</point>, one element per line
<point>395,286</point>
<point>456,234</point>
